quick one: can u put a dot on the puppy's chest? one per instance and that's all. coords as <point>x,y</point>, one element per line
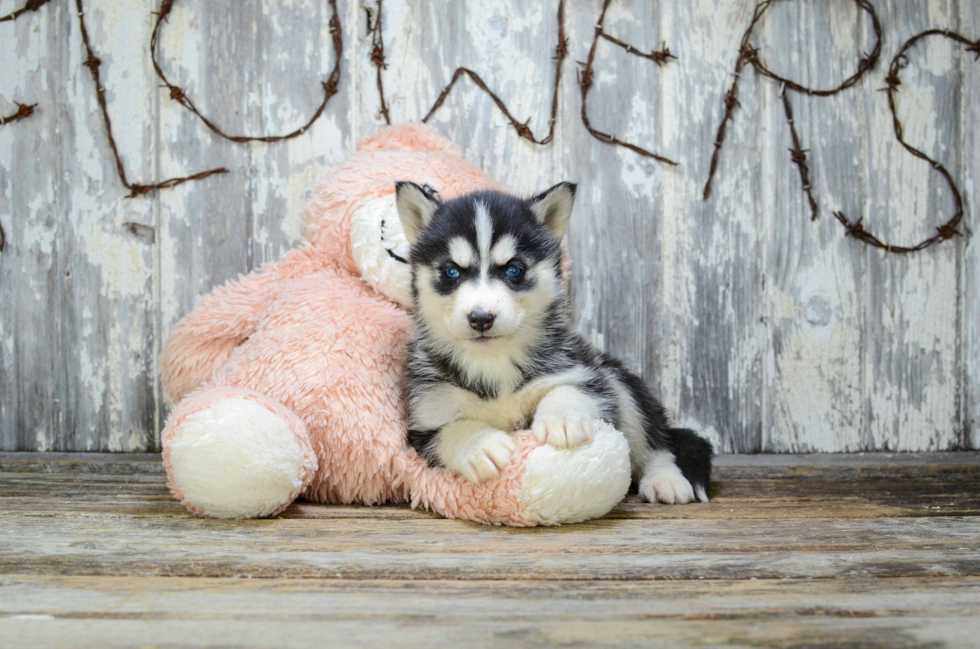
<point>509,412</point>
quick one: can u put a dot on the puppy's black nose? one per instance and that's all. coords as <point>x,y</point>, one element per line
<point>481,320</point>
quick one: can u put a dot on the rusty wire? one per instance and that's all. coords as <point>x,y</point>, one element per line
<point>585,84</point>
<point>893,80</point>
<point>30,5</point>
<point>749,54</point>
<point>92,62</point>
<point>23,111</point>
<point>378,56</point>
<point>523,129</point>
<point>798,154</point>
<point>177,93</point>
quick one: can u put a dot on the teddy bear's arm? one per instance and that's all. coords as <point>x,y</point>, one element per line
<point>203,339</point>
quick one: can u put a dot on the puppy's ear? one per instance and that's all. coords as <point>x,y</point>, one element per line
<point>553,208</point>
<point>415,208</point>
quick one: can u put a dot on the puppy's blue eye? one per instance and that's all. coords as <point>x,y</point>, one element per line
<point>452,273</point>
<point>514,271</point>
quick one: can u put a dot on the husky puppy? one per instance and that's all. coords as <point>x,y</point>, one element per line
<point>493,350</point>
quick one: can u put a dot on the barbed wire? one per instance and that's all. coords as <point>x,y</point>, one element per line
<point>378,56</point>
<point>23,111</point>
<point>30,5</point>
<point>177,93</point>
<point>948,230</point>
<point>798,154</point>
<point>585,84</point>
<point>523,128</point>
<point>93,62</point>
<point>750,55</point>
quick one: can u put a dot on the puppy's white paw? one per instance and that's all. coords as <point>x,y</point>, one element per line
<point>485,457</point>
<point>663,482</point>
<point>563,431</point>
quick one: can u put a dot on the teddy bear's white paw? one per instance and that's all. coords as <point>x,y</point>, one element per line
<point>563,431</point>
<point>482,456</point>
<point>663,482</point>
<point>236,459</point>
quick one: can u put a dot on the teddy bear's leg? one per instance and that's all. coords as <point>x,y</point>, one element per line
<point>542,485</point>
<point>234,453</point>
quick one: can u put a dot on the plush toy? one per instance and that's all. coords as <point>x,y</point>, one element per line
<point>287,381</point>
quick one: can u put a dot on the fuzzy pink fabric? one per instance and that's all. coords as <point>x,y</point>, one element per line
<point>497,502</point>
<point>309,339</point>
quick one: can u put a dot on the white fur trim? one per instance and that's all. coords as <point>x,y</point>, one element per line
<point>571,486</point>
<point>236,459</point>
<point>386,275</point>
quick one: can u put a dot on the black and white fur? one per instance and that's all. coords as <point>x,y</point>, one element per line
<point>493,351</point>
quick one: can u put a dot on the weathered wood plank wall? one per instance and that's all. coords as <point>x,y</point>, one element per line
<point>763,329</point>
<point>970,263</point>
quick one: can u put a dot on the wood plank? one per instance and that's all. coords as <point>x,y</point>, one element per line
<point>737,500</point>
<point>617,232</point>
<point>108,312</point>
<point>912,375</point>
<point>98,463</point>
<point>110,611</point>
<point>970,167</point>
<point>854,465</point>
<point>426,547</point>
<point>282,176</point>
<point>32,213</point>
<point>80,328</point>
<point>713,272</point>
<point>814,290</point>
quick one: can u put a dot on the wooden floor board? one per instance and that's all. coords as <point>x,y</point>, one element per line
<point>872,551</point>
<point>898,612</point>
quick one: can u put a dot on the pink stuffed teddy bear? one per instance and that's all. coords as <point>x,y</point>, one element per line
<point>287,380</point>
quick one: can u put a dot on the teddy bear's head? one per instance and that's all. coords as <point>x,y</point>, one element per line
<point>352,218</point>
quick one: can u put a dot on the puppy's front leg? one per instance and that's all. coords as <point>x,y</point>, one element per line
<point>564,417</point>
<point>473,449</point>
